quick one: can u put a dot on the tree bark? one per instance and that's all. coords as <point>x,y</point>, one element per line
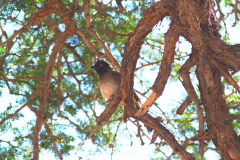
<point>219,122</point>
<point>196,23</point>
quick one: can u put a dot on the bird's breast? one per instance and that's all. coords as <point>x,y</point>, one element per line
<point>108,88</point>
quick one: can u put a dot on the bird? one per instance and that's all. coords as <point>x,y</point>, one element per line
<point>109,81</point>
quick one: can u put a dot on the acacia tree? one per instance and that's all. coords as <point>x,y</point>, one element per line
<point>46,59</point>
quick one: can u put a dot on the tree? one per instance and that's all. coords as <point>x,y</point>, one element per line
<point>46,62</point>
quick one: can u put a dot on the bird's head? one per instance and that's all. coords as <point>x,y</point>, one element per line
<point>101,67</point>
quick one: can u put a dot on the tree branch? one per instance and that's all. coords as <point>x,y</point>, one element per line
<point>53,140</point>
<point>228,55</point>
<point>108,54</point>
<point>186,81</point>
<point>226,75</point>
<point>164,133</point>
<point>110,109</point>
<point>35,138</point>
<point>30,99</point>
<point>130,57</point>
<point>51,62</point>
<point>171,37</point>
<point>184,105</point>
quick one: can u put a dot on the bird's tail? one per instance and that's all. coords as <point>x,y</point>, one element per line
<point>136,101</point>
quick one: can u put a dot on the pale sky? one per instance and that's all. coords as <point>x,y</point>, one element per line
<point>173,94</point>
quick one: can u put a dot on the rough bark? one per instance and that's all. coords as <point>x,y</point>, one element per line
<point>197,25</point>
<point>155,13</point>
<point>193,20</point>
<point>217,114</point>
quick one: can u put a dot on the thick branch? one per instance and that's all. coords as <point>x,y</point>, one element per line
<point>51,62</point>
<point>186,81</point>
<point>184,105</point>
<point>35,138</point>
<point>185,78</point>
<point>228,55</point>
<point>164,133</point>
<point>171,37</point>
<point>130,58</point>
<point>110,109</point>
<point>133,47</point>
<point>217,114</point>
<point>226,75</point>
<point>151,17</point>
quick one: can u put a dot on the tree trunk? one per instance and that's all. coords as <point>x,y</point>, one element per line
<point>195,22</point>
<point>219,123</point>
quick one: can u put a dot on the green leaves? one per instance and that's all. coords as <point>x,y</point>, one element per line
<point>74,101</point>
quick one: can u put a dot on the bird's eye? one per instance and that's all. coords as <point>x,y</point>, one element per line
<point>100,65</point>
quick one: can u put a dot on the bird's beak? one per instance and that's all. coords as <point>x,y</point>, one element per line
<point>93,67</point>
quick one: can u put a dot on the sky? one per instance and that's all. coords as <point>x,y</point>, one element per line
<point>173,93</point>
<point>169,99</point>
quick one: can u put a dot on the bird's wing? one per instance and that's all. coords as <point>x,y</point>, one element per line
<point>117,77</point>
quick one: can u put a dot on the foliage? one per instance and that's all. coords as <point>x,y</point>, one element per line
<point>73,101</point>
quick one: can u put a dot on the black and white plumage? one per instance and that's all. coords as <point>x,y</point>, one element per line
<point>109,81</point>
